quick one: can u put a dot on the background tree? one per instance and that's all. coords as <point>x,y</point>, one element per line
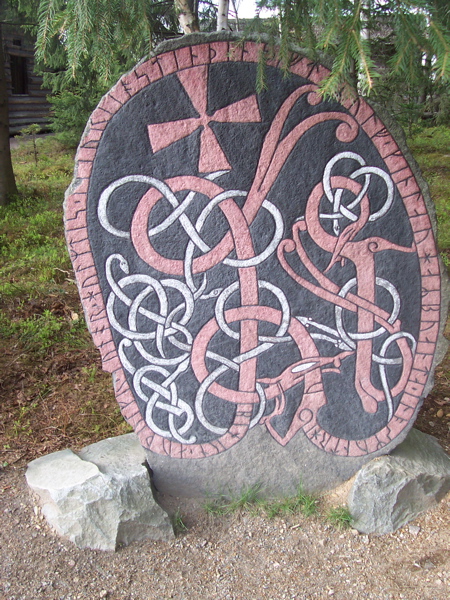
<point>86,45</point>
<point>222,15</point>
<point>8,187</point>
<point>7,182</point>
<point>412,37</point>
<point>375,46</point>
<point>188,15</point>
<point>372,44</point>
<point>83,46</point>
<point>11,13</point>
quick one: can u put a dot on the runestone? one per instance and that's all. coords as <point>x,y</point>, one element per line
<point>252,261</point>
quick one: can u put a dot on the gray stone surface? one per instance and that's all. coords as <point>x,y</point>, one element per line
<point>245,465</point>
<point>392,490</point>
<point>100,498</point>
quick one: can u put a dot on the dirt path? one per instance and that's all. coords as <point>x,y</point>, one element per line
<point>241,557</point>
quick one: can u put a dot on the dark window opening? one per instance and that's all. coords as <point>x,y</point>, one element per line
<point>19,75</point>
<point>17,42</point>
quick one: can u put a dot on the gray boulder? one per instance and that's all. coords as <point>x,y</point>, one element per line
<point>100,498</point>
<point>392,490</point>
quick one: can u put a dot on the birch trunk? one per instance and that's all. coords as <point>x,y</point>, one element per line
<point>222,15</point>
<point>187,16</point>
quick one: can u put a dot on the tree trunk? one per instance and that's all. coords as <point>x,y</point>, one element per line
<point>7,182</point>
<point>235,8</point>
<point>187,15</point>
<point>353,75</point>
<point>222,15</point>
<point>426,80</point>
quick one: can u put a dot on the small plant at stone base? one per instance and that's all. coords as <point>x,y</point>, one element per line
<point>215,506</point>
<point>249,499</point>
<point>340,517</point>
<point>300,503</point>
<point>305,503</point>
<point>179,526</point>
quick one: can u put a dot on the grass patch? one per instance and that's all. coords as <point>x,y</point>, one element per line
<point>53,392</point>
<point>179,527</point>
<point>251,500</point>
<point>39,333</point>
<point>55,166</point>
<point>34,257</point>
<point>34,260</point>
<point>301,503</point>
<point>101,420</point>
<point>431,149</point>
<point>340,517</point>
<point>431,139</point>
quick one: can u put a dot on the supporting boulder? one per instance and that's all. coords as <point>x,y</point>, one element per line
<point>392,490</point>
<point>100,498</point>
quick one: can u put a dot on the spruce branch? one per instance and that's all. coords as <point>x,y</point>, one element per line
<point>46,17</point>
<point>440,42</point>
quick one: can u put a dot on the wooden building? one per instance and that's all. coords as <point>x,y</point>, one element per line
<point>27,101</point>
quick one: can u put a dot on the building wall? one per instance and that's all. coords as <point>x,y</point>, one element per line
<point>27,100</point>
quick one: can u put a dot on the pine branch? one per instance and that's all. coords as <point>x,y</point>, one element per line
<point>331,32</point>
<point>341,68</point>
<point>441,44</point>
<point>261,79</point>
<point>46,16</point>
<point>363,58</point>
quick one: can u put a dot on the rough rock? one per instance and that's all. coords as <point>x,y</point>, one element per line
<point>100,498</point>
<point>392,490</point>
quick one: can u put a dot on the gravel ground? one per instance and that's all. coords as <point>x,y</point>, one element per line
<point>238,557</point>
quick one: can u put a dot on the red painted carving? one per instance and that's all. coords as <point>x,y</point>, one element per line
<point>212,157</point>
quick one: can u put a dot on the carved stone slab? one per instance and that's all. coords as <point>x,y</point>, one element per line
<point>251,261</point>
